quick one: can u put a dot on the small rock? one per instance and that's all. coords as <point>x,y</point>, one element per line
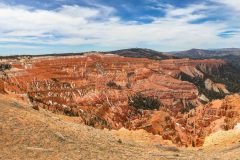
<point>35,107</point>
<point>60,136</point>
<point>119,141</point>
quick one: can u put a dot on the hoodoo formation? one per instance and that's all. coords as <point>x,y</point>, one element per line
<point>170,97</point>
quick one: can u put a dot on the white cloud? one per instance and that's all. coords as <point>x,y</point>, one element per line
<point>235,4</point>
<point>97,26</point>
<point>185,11</point>
<point>11,46</point>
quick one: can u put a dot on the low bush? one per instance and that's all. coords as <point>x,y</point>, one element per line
<point>5,67</point>
<point>113,85</point>
<point>140,101</point>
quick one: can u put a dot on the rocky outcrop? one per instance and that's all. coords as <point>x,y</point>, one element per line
<point>213,117</point>
<point>216,87</point>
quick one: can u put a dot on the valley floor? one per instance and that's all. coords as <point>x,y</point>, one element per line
<point>26,133</point>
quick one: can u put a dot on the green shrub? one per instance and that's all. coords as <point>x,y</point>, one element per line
<point>187,108</point>
<point>5,67</point>
<point>129,85</point>
<point>140,101</point>
<point>113,85</point>
<point>129,74</point>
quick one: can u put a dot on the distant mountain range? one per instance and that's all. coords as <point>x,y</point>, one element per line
<point>132,52</point>
<point>142,53</point>
<point>201,53</point>
<point>231,55</point>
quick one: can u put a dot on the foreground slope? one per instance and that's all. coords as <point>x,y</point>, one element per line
<point>29,134</point>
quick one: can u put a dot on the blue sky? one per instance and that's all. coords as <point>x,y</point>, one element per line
<point>59,26</point>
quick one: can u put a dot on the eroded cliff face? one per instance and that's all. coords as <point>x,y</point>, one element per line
<point>96,88</point>
<point>216,87</point>
<point>215,116</point>
<point>214,80</point>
